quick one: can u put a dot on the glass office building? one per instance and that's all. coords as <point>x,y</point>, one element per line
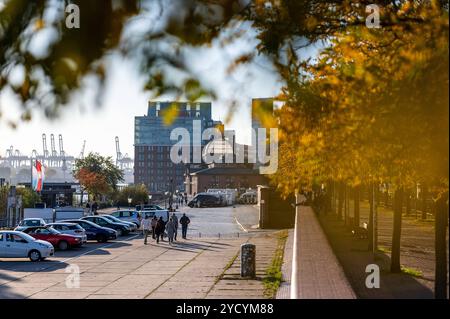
<point>153,166</point>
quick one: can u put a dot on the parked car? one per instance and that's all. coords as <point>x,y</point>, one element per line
<point>58,240</point>
<point>248,198</point>
<point>16,244</point>
<point>128,215</point>
<point>131,226</point>
<point>158,213</point>
<point>205,200</point>
<point>94,231</point>
<point>30,222</point>
<point>120,228</point>
<point>70,229</point>
<point>149,207</point>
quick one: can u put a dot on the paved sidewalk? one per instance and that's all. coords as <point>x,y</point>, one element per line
<point>320,275</point>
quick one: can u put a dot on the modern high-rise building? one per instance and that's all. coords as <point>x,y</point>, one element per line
<point>152,144</point>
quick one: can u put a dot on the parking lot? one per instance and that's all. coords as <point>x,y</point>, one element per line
<point>126,268</point>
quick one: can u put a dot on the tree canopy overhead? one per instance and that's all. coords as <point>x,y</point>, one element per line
<point>372,105</point>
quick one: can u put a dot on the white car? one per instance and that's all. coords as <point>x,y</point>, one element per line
<point>128,216</point>
<point>30,222</point>
<point>15,244</point>
<point>70,229</point>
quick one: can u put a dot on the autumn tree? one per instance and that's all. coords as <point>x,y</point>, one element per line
<point>97,174</point>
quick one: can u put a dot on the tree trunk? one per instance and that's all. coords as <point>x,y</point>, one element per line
<point>356,196</point>
<point>424,201</point>
<point>397,230</point>
<point>440,283</point>
<point>408,202</point>
<point>371,208</point>
<point>386,197</point>
<point>340,199</point>
<point>345,205</point>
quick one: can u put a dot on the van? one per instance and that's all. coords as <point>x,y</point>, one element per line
<point>206,200</point>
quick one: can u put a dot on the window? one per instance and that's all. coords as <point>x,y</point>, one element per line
<point>13,238</point>
<point>86,225</point>
<point>188,107</point>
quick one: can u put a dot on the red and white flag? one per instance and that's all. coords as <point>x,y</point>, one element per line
<point>38,176</point>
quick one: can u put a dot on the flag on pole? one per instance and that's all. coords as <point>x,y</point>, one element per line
<point>38,176</point>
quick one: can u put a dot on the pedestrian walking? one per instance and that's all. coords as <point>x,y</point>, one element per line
<point>184,221</point>
<point>159,229</point>
<point>94,208</point>
<point>170,228</point>
<point>153,223</point>
<point>175,223</point>
<point>88,209</point>
<point>146,228</point>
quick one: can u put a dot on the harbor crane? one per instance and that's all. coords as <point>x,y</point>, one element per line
<point>81,156</point>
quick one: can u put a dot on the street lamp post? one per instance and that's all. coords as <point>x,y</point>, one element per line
<point>129,202</point>
<point>149,199</point>
<point>165,199</point>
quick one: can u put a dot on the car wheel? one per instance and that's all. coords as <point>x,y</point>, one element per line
<point>34,255</point>
<point>101,238</point>
<point>63,245</point>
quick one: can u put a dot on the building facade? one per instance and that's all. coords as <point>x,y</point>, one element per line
<point>153,166</point>
<point>236,176</point>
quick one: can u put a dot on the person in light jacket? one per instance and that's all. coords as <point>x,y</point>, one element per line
<point>146,228</point>
<point>153,224</point>
<point>170,228</point>
<point>175,222</point>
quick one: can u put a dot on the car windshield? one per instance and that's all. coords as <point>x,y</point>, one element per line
<point>30,222</point>
<point>27,237</point>
<point>46,231</point>
<point>113,218</point>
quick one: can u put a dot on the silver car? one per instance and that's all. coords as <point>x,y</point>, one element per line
<point>70,229</point>
<point>128,215</point>
<point>15,244</point>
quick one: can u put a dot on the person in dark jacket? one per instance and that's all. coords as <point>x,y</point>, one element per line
<point>94,208</point>
<point>159,229</point>
<point>184,221</point>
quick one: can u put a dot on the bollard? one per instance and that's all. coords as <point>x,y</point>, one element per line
<point>248,260</point>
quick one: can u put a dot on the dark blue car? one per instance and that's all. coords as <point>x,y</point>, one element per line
<point>94,231</point>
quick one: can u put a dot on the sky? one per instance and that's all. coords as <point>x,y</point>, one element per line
<point>123,99</point>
